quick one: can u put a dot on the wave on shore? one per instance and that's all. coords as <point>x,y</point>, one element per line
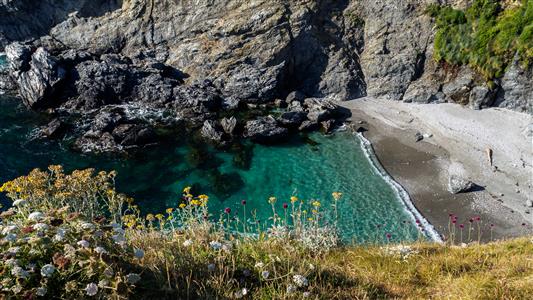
<point>400,192</point>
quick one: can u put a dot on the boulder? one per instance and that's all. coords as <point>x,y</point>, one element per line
<point>481,97</point>
<point>319,110</point>
<point>308,126</point>
<point>292,118</point>
<point>458,184</point>
<point>211,131</point>
<point>295,96</point>
<point>38,85</point>
<point>53,129</point>
<point>328,126</point>
<point>418,137</point>
<point>229,125</point>
<point>265,129</point>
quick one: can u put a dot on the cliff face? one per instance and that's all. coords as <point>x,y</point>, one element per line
<point>256,51</point>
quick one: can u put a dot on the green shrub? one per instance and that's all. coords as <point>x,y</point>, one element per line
<point>484,36</point>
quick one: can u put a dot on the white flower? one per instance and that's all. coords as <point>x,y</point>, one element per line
<point>241,293</point>
<point>12,262</point>
<point>87,226</point>
<point>300,280</point>
<point>36,216</point>
<point>19,272</point>
<point>9,229</point>
<point>41,291</point>
<point>215,245</point>
<point>13,250</point>
<point>265,274</point>
<point>291,289</point>
<point>100,250</point>
<point>119,238</point>
<point>211,267</point>
<point>40,227</point>
<point>11,237</point>
<point>47,270</point>
<point>306,294</point>
<point>60,235</point>
<point>19,202</point>
<point>108,272</point>
<point>187,243</point>
<point>259,265</point>
<point>83,244</point>
<point>103,283</point>
<point>139,253</point>
<point>91,289</point>
<point>133,278</point>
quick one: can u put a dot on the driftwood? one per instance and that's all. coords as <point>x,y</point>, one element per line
<point>489,155</point>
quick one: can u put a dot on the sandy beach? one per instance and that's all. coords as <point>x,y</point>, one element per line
<point>456,141</point>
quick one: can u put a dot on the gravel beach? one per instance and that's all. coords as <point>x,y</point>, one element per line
<point>456,140</point>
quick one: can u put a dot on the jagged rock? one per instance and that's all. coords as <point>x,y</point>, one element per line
<point>308,126</point>
<point>18,57</point>
<point>265,129</point>
<point>280,103</point>
<point>481,97</point>
<point>458,184</point>
<point>106,120</point>
<point>319,109</point>
<point>516,88</point>
<point>97,143</point>
<point>139,136</point>
<point>458,89</point>
<point>211,131</point>
<point>228,125</point>
<point>38,84</point>
<point>295,96</point>
<point>295,106</point>
<point>328,126</point>
<point>292,118</point>
<point>53,129</point>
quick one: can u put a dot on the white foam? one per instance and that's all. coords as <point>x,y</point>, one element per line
<point>400,192</point>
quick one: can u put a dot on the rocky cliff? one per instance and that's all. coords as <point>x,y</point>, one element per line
<point>196,59</point>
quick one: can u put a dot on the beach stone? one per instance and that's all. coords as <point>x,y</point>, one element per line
<point>458,184</point>
<point>418,137</point>
<point>529,203</point>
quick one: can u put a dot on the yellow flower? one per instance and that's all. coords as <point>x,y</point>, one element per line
<point>183,205</point>
<point>272,200</point>
<point>203,197</point>
<point>159,216</point>
<point>314,211</point>
<point>150,217</point>
<point>169,210</point>
<point>187,190</point>
<point>336,195</point>
<point>316,203</point>
<point>196,202</point>
<point>294,199</point>
<point>310,219</point>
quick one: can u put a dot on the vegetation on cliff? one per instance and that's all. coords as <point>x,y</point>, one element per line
<point>486,36</point>
<point>73,236</point>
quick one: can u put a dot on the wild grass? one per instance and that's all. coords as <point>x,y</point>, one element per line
<point>184,253</point>
<point>486,36</point>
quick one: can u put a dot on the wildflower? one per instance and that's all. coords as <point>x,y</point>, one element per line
<point>19,272</point>
<point>285,205</point>
<point>215,245</point>
<point>119,238</point>
<point>316,203</point>
<point>139,253</point>
<point>294,199</point>
<point>103,283</point>
<point>40,227</point>
<point>36,216</point>
<point>259,265</point>
<point>41,291</point>
<point>60,235</point>
<point>47,270</point>
<point>169,210</point>
<point>100,250</point>
<point>83,244</point>
<point>91,289</point>
<point>159,217</point>
<point>183,205</point>
<point>300,280</point>
<point>291,289</point>
<point>87,226</point>
<point>10,237</point>
<point>272,200</point>
<point>389,236</point>
<point>241,293</point>
<point>60,261</point>
<point>187,190</point>
<point>243,202</point>
<point>336,195</point>
<point>13,250</point>
<point>133,278</point>
<point>306,294</point>
<point>265,274</point>
<point>150,217</point>
<point>211,267</point>
<point>20,202</point>
<point>227,210</point>
<point>187,243</point>
<point>108,272</point>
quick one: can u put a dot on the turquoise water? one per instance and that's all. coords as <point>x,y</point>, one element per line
<point>310,167</point>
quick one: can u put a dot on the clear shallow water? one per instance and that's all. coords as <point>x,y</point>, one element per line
<point>308,167</point>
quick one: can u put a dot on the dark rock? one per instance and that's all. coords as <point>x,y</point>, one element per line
<point>458,89</point>
<point>97,143</point>
<point>280,103</point>
<point>229,125</point>
<point>457,184</point>
<point>106,120</point>
<point>516,88</point>
<point>139,136</point>
<point>53,129</point>
<point>319,109</point>
<point>265,129</point>
<point>418,137</point>
<point>37,86</point>
<point>292,119</point>
<point>308,126</point>
<point>212,131</point>
<point>481,97</point>
<point>295,96</point>
<point>18,58</point>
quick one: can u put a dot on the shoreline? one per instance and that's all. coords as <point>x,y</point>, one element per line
<point>422,168</point>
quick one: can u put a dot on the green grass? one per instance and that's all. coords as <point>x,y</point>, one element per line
<point>55,244</point>
<point>486,36</point>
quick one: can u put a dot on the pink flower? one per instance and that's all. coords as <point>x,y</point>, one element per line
<point>285,205</point>
<point>243,202</point>
<point>227,210</point>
